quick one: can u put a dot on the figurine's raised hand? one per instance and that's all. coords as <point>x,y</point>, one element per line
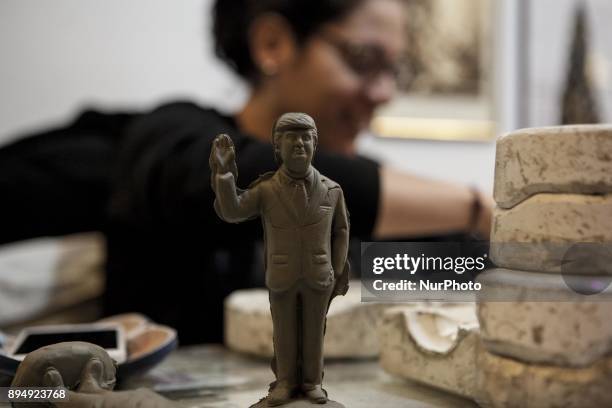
<point>223,156</point>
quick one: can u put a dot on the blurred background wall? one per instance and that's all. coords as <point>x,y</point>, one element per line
<point>62,55</point>
<point>551,29</point>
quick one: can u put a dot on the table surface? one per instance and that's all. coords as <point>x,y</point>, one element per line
<point>213,377</point>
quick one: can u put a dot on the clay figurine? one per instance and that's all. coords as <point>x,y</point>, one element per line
<point>306,233</point>
<point>87,372</point>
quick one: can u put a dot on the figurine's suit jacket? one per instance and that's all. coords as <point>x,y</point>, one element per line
<point>311,246</point>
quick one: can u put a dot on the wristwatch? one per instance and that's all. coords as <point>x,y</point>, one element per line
<point>475,210</point>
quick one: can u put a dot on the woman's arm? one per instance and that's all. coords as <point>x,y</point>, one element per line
<point>415,206</point>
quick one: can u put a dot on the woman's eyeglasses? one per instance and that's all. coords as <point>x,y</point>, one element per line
<point>369,61</point>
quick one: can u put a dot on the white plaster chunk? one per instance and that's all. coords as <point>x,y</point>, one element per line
<point>537,234</point>
<point>538,318</point>
<point>507,383</point>
<point>42,276</point>
<point>570,159</point>
<point>432,344</point>
<point>351,325</point>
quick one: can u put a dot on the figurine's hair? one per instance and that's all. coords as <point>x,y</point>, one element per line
<point>233,19</point>
<point>292,121</point>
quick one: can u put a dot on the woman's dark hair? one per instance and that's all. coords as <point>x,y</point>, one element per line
<point>233,19</point>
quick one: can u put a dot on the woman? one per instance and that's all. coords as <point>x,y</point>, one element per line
<point>169,256</point>
<point>335,61</point>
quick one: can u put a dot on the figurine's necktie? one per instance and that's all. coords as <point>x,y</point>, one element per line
<point>300,198</point>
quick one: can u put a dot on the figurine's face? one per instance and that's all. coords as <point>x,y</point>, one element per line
<point>296,148</point>
<point>344,72</point>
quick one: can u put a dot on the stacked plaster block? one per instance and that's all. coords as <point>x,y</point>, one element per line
<point>538,234</point>
<point>509,383</point>
<point>561,160</point>
<point>538,318</point>
<point>545,314</point>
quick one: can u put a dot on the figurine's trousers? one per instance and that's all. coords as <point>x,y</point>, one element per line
<point>298,315</point>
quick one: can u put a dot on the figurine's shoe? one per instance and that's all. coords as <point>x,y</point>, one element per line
<point>316,394</point>
<point>279,395</point>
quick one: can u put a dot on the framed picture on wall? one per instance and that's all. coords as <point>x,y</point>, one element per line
<point>446,74</point>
